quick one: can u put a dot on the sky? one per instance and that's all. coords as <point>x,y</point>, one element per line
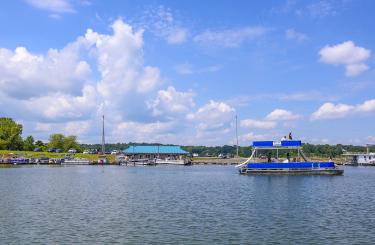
<point>178,72</point>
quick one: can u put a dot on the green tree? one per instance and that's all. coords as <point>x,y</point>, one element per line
<point>10,134</point>
<point>56,141</point>
<point>28,144</point>
<point>41,145</point>
<point>70,142</point>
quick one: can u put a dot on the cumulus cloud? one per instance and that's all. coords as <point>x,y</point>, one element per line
<point>26,75</point>
<point>348,54</point>
<point>282,115</point>
<point>366,106</point>
<point>253,137</point>
<point>57,6</point>
<point>271,120</point>
<point>171,101</point>
<point>230,37</point>
<point>332,111</point>
<point>59,106</point>
<point>60,86</point>
<point>214,115</point>
<point>335,111</point>
<point>261,124</point>
<point>67,90</point>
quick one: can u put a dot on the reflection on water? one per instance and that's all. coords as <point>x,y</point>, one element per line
<point>179,204</point>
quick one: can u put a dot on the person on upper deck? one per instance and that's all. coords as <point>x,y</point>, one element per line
<point>290,136</point>
<point>284,138</point>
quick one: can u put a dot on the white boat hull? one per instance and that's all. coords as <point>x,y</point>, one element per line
<point>173,162</point>
<point>76,162</point>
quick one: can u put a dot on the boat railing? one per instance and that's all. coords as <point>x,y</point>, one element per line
<point>275,145</point>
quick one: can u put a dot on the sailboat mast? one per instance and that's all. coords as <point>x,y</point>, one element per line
<point>103,141</point>
<point>236,136</point>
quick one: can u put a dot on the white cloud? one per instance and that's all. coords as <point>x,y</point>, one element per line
<point>346,53</point>
<point>246,138</point>
<point>66,90</point>
<point>160,132</point>
<point>213,115</point>
<point>261,124</point>
<point>59,106</point>
<point>61,86</point>
<point>366,106</point>
<point>292,34</point>
<point>171,101</point>
<point>282,115</point>
<point>56,6</point>
<point>27,75</point>
<point>332,111</point>
<point>162,23</point>
<point>230,37</point>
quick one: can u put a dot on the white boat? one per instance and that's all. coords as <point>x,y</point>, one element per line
<point>359,159</point>
<point>140,162</point>
<point>75,161</point>
<point>172,161</point>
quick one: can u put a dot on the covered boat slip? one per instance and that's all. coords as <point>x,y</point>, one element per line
<point>254,166</point>
<point>156,154</point>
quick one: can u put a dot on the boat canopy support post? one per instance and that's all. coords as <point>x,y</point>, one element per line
<point>248,160</point>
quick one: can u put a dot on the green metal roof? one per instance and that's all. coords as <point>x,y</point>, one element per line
<point>155,149</point>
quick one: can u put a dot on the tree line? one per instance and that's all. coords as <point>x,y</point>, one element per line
<point>11,139</point>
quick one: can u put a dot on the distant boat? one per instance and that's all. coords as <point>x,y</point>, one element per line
<point>288,166</point>
<point>69,160</point>
<point>140,162</point>
<point>172,161</point>
<point>359,159</point>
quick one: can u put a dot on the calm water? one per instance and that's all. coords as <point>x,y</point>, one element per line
<point>183,205</point>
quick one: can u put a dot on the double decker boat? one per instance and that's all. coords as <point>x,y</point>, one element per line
<point>253,165</point>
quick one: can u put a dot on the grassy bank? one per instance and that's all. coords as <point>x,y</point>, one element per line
<point>31,154</point>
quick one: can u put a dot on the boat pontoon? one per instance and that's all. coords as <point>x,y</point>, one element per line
<point>254,166</point>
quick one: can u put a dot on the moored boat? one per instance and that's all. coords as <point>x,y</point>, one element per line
<point>288,166</point>
<point>69,160</point>
<point>172,161</point>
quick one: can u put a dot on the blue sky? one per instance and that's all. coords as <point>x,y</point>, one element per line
<point>179,71</point>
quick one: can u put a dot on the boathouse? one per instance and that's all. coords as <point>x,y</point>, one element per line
<point>155,151</point>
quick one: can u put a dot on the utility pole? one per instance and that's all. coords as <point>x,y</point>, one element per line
<point>103,141</point>
<point>237,135</point>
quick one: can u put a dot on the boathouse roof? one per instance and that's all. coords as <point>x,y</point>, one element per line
<point>155,149</point>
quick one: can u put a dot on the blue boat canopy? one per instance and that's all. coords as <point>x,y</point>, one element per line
<point>283,143</point>
<point>155,149</point>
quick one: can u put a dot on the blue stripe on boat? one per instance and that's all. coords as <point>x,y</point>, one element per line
<point>291,143</point>
<point>262,143</point>
<point>291,165</point>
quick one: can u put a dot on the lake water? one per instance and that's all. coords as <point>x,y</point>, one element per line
<point>183,205</point>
